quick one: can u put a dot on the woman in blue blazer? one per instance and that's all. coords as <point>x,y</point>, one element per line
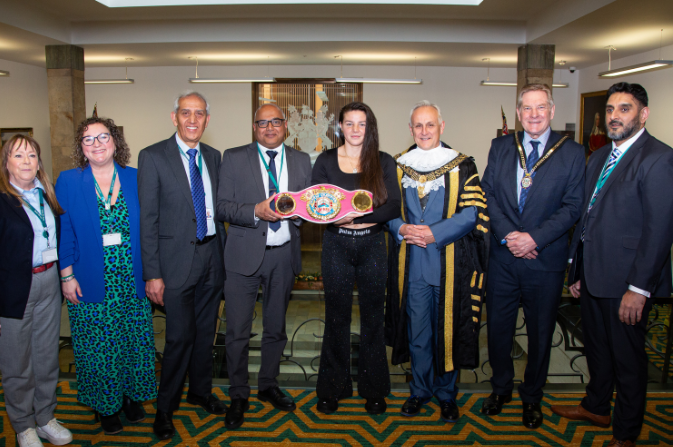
<point>101,277</point>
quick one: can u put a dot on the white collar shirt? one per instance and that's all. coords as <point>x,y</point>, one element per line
<point>205,177</point>
<point>276,238</point>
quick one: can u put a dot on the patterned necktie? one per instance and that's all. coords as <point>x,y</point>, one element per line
<point>530,162</point>
<point>607,169</point>
<point>273,226</point>
<point>198,196</point>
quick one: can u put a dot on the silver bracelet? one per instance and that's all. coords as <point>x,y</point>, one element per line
<point>69,278</point>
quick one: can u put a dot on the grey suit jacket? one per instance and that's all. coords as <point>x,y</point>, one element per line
<point>167,219</point>
<point>241,188</point>
<point>629,230</point>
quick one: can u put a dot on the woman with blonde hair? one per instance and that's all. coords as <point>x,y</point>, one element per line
<point>30,296</point>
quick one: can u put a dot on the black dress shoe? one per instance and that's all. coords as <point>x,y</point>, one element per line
<point>532,415</point>
<point>279,400</point>
<point>210,403</point>
<point>235,414</point>
<point>328,406</point>
<point>133,410</point>
<point>493,404</point>
<point>376,405</point>
<point>163,425</point>
<point>412,406</point>
<point>111,424</point>
<point>450,411</point>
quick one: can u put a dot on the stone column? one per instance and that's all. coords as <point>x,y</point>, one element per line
<point>65,81</point>
<point>535,65</point>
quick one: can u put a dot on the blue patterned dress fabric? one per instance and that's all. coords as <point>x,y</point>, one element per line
<point>273,226</point>
<point>607,169</point>
<point>198,196</point>
<point>530,162</point>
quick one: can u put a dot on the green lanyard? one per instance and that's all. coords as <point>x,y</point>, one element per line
<point>266,165</point>
<point>107,202</point>
<point>200,159</point>
<point>40,215</point>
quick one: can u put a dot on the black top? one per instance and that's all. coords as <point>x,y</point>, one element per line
<point>326,170</point>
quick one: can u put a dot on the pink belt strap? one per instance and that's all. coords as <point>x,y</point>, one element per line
<point>324,203</point>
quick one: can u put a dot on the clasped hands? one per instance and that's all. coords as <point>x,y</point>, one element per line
<point>521,245</point>
<point>420,235</point>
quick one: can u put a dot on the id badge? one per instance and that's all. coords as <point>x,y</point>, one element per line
<point>49,255</point>
<point>112,239</point>
<point>209,214</point>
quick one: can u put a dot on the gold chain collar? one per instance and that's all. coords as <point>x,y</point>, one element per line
<point>540,162</point>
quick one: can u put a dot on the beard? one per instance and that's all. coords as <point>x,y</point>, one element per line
<point>628,130</point>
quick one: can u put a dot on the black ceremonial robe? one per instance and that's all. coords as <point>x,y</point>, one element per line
<point>463,279</point>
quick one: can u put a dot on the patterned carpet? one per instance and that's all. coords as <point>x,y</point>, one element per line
<point>352,426</point>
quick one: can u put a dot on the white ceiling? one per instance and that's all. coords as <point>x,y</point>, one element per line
<point>314,34</point>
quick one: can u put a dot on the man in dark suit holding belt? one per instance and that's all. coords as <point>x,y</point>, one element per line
<point>534,182</point>
<point>621,259</point>
<point>261,249</point>
<point>181,246</point>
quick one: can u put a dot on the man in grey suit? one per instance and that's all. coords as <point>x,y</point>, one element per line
<point>181,245</point>
<point>262,249</point>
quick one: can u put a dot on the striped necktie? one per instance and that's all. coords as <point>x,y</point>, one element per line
<point>607,169</point>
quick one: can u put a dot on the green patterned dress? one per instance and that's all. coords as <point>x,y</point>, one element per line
<point>114,340</point>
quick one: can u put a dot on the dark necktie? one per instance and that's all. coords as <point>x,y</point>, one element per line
<point>607,169</point>
<point>198,196</point>
<point>530,162</point>
<point>273,226</point>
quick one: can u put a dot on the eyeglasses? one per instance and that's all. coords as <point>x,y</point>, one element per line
<point>102,138</point>
<point>277,122</point>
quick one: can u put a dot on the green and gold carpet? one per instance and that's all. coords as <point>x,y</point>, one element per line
<point>352,426</point>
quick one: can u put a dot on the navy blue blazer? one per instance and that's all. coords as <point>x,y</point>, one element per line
<point>16,256</point>
<point>81,243</point>
<point>553,204</point>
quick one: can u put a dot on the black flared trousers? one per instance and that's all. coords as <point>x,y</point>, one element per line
<point>345,261</point>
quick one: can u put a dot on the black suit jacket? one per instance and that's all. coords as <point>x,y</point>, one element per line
<point>553,204</point>
<point>167,219</point>
<point>241,188</point>
<point>16,256</point>
<point>629,230</point>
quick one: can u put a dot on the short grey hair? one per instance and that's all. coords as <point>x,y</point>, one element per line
<point>176,104</point>
<point>272,105</point>
<point>535,88</point>
<point>425,103</point>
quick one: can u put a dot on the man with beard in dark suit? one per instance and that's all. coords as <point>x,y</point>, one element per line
<point>621,259</point>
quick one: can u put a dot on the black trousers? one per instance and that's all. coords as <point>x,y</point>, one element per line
<point>615,353</point>
<point>539,292</point>
<point>346,260</point>
<point>191,319</point>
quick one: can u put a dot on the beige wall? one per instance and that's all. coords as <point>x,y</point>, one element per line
<point>24,103</point>
<point>471,112</point>
<point>659,86</point>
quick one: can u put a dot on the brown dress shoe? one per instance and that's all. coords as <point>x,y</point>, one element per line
<point>617,443</point>
<point>578,413</point>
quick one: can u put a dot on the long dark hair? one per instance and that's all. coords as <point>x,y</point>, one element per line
<point>5,187</point>
<point>122,152</point>
<point>371,177</point>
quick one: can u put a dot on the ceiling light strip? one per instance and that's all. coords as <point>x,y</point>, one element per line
<point>4,73</point>
<point>228,81</point>
<point>109,81</point>
<point>514,84</point>
<point>652,65</point>
<point>378,81</point>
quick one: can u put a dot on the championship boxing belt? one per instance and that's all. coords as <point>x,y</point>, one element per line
<point>324,203</point>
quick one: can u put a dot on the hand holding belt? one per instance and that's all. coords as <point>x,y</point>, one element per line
<point>324,203</point>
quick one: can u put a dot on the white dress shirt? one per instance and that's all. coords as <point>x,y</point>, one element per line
<point>40,244</point>
<point>275,238</point>
<point>207,186</point>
